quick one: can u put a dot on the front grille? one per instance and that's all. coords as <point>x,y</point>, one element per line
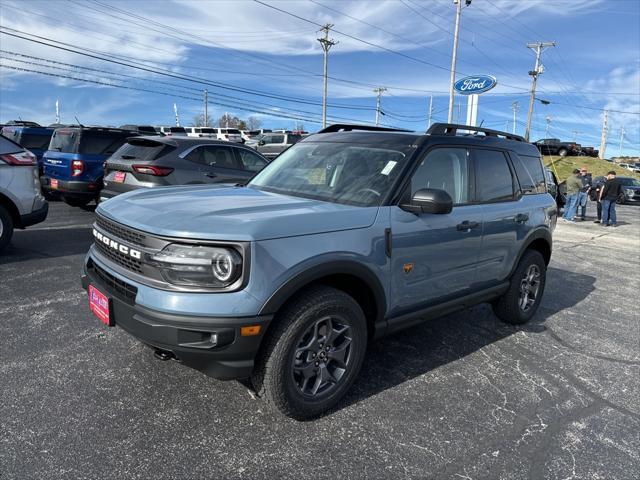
<point>120,231</point>
<point>119,257</point>
<point>127,291</point>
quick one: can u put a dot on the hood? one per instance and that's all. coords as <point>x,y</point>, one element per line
<point>215,212</point>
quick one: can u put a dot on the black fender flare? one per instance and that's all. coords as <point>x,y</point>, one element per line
<point>317,271</point>
<point>541,233</point>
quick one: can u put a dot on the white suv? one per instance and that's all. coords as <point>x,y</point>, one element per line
<point>21,203</point>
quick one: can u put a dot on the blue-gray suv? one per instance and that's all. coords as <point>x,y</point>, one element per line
<point>351,234</point>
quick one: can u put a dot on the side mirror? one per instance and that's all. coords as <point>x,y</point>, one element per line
<point>430,200</point>
<point>261,142</point>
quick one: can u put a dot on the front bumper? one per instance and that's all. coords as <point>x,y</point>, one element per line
<point>72,188</point>
<point>34,217</point>
<point>187,338</point>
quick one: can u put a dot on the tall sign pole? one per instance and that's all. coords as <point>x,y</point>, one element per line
<point>57,111</point>
<point>537,70</point>
<point>603,138</point>
<point>430,111</point>
<point>326,46</point>
<point>454,57</point>
<point>515,106</point>
<point>175,110</point>
<point>206,108</point>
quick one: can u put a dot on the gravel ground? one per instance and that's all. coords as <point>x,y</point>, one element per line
<point>463,396</point>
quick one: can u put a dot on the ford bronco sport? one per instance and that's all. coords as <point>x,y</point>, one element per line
<point>351,234</point>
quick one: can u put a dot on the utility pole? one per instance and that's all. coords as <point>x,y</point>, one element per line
<point>622,132</point>
<point>326,46</point>
<point>206,108</point>
<point>430,111</point>
<point>57,111</point>
<point>538,69</point>
<point>546,130</point>
<point>454,55</point>
<point>378,91</point>
<point>515,106</point>
<point>603,138</point>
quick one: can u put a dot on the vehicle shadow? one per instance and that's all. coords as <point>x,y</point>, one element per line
<point>419,350</point>
<point>28,244</point>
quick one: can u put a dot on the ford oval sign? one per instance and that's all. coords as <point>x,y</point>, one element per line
<point>475,84</point>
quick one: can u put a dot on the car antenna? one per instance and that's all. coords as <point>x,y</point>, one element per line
<point>77,121</point>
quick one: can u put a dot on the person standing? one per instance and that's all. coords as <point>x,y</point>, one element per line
<point>595,196</point>
<point>609,196</point>
<point>583,195</point>
<point>574,184</point>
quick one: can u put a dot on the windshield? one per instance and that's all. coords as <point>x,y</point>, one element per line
<point>333,172</point>
<point>64,141</point>
<point>629,182</point>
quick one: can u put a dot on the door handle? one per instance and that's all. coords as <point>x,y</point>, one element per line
<point>467,225</point>
<point>521,218</point>
<point>210,175</point>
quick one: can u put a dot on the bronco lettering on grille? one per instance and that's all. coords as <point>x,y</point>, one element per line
<point>116,245</point>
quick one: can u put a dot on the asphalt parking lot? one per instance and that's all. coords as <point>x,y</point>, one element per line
<point>463,396</point>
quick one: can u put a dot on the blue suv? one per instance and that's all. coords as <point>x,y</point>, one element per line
<point>351,234</point>
<point>73,164</point>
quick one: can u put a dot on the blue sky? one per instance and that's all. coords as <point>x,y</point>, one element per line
<point>234,48</point>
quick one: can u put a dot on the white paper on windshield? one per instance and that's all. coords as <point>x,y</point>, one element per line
<point>388,167</point>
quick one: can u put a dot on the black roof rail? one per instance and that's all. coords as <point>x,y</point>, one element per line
<point>452,129</point>
<point>345,127</point>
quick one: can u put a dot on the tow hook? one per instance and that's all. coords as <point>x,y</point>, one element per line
<point>163,355</point>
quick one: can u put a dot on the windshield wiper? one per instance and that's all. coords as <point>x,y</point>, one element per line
<point>128,157</point>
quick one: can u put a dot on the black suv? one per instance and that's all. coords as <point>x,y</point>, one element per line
<point>144,162</point>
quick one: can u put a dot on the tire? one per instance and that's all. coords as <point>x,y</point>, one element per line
<point>297,327</point>
<point>563,152</point>
<point>6,227</point>
<point>509,307</point>
<point>76,202</point>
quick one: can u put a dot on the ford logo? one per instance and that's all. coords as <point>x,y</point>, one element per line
<point>475,84</point>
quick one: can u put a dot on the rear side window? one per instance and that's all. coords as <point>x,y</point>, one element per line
<point>64,141</point>
<point>276,139</point>
<point>251,161</point>
<point>95,143</point>
<point>214,156</point>
<point>444,169</point>
<point>530,173</point>
<point>291,139</point>
<point>233,131</point>
<point>494,182</point>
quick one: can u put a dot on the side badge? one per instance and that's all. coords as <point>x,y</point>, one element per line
<point>408,267</point>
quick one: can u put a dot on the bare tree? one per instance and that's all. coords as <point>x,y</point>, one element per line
<point>198,120</point>
<point>253,123</point>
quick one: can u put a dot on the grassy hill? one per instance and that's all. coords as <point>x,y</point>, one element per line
<point>565,165</point>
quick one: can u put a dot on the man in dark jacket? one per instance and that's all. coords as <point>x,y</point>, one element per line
<point>584,192</point>
<point>595,195</point>
<point>609,196</point>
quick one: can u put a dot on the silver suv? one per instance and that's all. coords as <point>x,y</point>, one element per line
<point>21,203</point>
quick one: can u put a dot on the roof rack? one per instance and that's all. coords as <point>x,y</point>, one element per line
<point>345,127</point>
<point>452,129</point>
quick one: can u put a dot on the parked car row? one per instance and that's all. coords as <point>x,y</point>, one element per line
<point>73,160</point>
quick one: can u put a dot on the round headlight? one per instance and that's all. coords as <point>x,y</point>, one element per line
<point>223,267</point>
